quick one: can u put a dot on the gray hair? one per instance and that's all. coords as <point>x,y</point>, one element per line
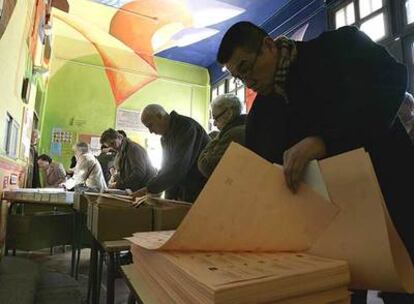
<point>228,101</point>
<point>82,147</point>
<point>152,110</point>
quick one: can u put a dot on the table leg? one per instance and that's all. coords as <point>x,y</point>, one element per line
<point>110,282</point>
<point>93,270</point>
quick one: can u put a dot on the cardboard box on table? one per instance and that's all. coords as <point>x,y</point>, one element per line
<point>114,218</point>
<point>168,214</point>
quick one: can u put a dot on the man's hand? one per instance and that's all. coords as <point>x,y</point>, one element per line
<point>140,192</point>
<point>112,185</point>
<point>298,156</point>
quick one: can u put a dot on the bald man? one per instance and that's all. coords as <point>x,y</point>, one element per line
<point>182,140</point>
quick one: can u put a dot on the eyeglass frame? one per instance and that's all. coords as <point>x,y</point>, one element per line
<point>251,67</point>
<point>220,115</point>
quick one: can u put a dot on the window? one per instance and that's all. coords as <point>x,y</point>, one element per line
<point>374,27</point>
<point>412,52</point>
<point>368,15</point>
<point>214,93</point>
<point>345,16</point>
<point>366,7</point>
<point>222,88</point>
<point>409,9</point>
<point>412,67</point>
<point>11,136</point>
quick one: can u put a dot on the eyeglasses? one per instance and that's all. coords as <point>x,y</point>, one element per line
<point>245,69</point>
<point>218,116</point>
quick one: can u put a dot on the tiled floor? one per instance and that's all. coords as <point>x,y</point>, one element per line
<point>60,262</point>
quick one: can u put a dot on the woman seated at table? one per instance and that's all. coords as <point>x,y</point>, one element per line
<point>53,172</point>
<point>88,175</point>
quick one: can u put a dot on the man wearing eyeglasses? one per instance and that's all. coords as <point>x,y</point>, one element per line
<point>322,97</point>
<point>226,110</point>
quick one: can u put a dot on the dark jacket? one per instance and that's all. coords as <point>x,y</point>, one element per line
<point>106,159</point>
<point>181,146</point>
<point>346,89</point>
<point>133,165</point>
<point>212,153</point>
<point>33,173</point>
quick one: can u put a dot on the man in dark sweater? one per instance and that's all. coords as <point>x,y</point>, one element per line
<point>319,98</point>
<point>33,173</point>
<point>182,140</point>
<point>134,168</point>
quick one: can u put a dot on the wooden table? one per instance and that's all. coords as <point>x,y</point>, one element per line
<point>137,285</point>
<point>98,251</point>
<point>48,197</point>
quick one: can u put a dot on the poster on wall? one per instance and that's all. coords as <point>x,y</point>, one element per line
<point>60,136</point>
<point>56,149</point>
<point>27,123</point>
<point>61,141</point>
<point>129,120</point>
<point>11,175</point>
<point>94,142</point>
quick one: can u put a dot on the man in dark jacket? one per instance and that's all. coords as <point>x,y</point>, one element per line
<point>329,95</point>
<point>182,140</point>
<point>226,111</point>
<point>33,173</point>
<point>106,159</point>
<point>132,163</point>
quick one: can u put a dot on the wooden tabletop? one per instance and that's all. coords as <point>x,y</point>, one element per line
<point>137,285</point>
<point>116,246</point>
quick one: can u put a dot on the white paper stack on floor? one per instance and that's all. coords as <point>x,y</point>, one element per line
<point>246,207</point>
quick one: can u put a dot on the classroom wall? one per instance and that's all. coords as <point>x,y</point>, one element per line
<point>14,65</point>
<point>81,100</point>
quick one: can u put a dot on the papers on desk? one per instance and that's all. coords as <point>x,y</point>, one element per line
<point>41,195</point>
<point>226,277</point>
<point>246,207</point>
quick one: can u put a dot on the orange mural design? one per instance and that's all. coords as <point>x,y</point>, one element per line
<point>116,60</point>
<point>136,23</point>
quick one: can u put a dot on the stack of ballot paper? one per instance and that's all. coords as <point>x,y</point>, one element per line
<point>244,277</point>
<point>248,239</point>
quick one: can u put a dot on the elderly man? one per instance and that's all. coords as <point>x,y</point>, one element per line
<point>54,172</point>
<point>182,140</point>
<point>33,177</point>
<point>88,175</point>
<point>133,166</point>
<point>226,111</point>
<point>329,95</point>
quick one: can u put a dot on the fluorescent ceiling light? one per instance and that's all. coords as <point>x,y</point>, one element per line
<point>206,13</point>
<point>192,35</point>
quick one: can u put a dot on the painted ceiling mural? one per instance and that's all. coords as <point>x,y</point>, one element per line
<point>127,34</point>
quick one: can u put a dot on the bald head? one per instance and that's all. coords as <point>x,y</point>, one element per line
<point>156,119</point>
<point>154,110</point>
<point>35,137</point>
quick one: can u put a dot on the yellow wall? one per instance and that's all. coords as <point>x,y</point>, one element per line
<point>13,62</point>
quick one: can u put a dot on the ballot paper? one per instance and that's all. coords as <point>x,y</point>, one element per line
<point>241,211</point>
<point>238,278</point>
<point>246,206</point>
